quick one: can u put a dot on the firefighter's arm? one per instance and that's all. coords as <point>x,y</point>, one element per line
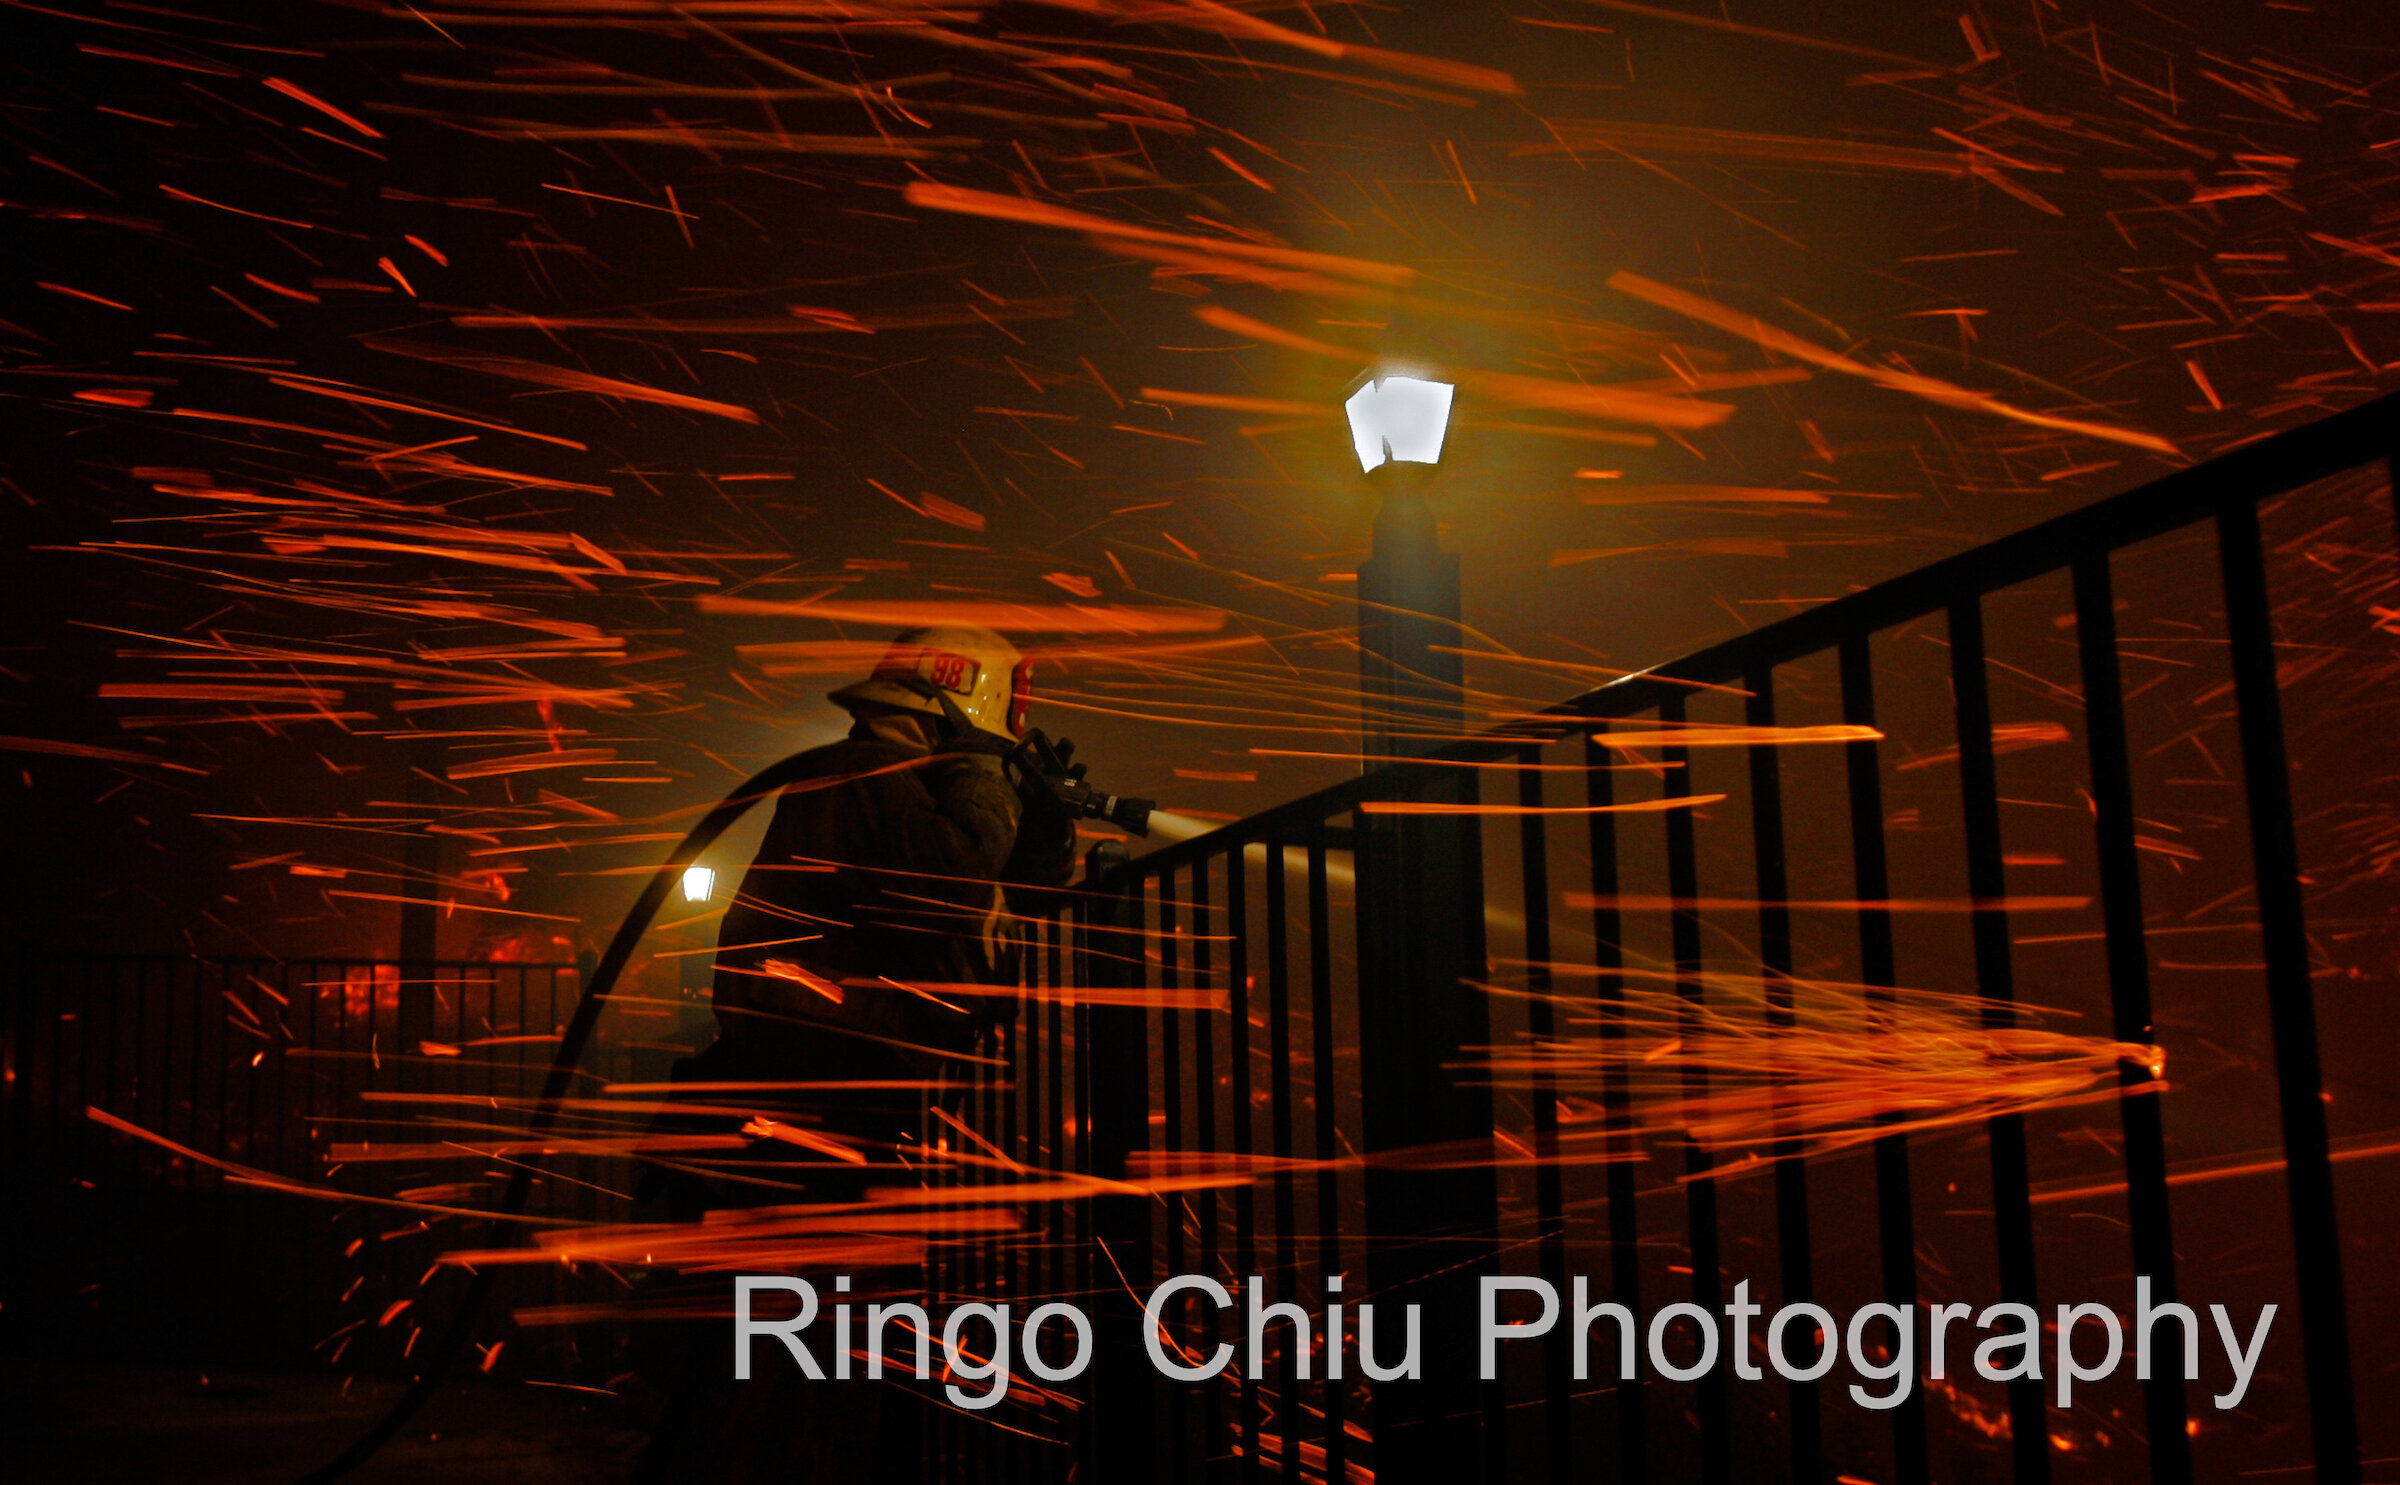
<point>955,817</point>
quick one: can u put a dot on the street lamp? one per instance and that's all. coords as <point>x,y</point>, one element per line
<point>1398,419</point>
<point>1420,935</point>
<point>699,884</point>
<point>1409,669</point>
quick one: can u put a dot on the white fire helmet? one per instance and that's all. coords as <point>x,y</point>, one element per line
<point>982,674</point>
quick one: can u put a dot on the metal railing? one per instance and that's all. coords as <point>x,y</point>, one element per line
<point>1351,936</point>
<point>236,1068</point>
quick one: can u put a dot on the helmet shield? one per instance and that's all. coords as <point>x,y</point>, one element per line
<point>1020,697</point>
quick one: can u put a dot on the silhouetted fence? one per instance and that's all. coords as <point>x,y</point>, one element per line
<point>241,1073</point>
<point>2082,803</point>
<point>2127,775</point>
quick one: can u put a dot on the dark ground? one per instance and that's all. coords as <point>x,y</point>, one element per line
<point>81,1423</point>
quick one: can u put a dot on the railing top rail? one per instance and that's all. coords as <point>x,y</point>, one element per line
<point>2262,470</point>
<point>311,961</point>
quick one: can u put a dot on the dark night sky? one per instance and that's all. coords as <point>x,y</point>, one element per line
<point>226,224</point>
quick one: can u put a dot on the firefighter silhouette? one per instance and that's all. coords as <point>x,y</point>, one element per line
<point>891,874</point>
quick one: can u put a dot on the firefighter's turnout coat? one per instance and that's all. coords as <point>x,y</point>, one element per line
<point>887,874</point>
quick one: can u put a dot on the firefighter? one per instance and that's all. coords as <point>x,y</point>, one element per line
<point>888,873</point>
<point>887,876</point>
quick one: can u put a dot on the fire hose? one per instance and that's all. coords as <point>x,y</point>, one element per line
<point>1042,767</point>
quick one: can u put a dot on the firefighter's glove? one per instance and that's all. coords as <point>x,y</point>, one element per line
<point>1045,780</point>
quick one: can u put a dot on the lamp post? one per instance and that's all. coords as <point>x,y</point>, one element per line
<point>1421,948</point>
<point>1408,630</point>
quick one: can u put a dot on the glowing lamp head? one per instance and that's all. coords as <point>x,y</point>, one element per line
<point>1399,419</point>
<point>699,884</point>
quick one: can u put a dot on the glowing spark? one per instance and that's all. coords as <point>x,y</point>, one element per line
<point>1006,617</point>
<point>1943,393</point>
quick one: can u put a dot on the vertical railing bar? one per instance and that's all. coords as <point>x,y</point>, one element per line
<point>18,1140</point>
<point>66,1109</point>
<point>298,981</point>
<point>1036,1283</point>
<point>1180,1206</point>
<point>249,1147</point>
<point>1987,886</point>
<point>1008,1250</point>
<point>1323,1072</point>
<point>196,1077</point>
<point>66,1106</point>
<point>130,1107</point>
<point>161,1003</point>
<point>141,983</point>
<point>1079,1268</point>
<point>1796,1266</point>
<point>172,976</point>
<point>1208,1205</point>
<point>1700,1189</point>
<point>1608,989</point>
<point>177,1082</point>
<point>939,1265</point>
<point>1895,1216</point>
<point>978,1443</point>
<point>228,1057</point>
<point>1118,1074</point>
<point>1282,1255</point>
<point>331,1100</point>
<point>1549,1184</point>
<point>16,992</point>
<point>263,1119</point>
<point>163,1086</point>
<point>2291,1002</point>
<point>1062,1228</point>
<point>258,1087</point>
<point>1134,1215</point>
<point>1091,1270</point>
<point>86,1139</point>
<point>47,999</point>
<point>79,1135</point>
<point>2119,860</point>
<point>1026,1131</point>
<point>190,1081</point>
<point>1244,1130</point>
<point>27,1144</point>
<point>1022,1108</point>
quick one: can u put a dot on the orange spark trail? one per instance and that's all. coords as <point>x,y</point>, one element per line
<point>1737,737</point>
<point>249,1176</point>
<point>1040,214</point>
<point>563,377</point>
<point>294,90</point>
<point>1005,617</point>
<point>1651,903</point>
<point>1946,394</point>
<point>1639,807</point>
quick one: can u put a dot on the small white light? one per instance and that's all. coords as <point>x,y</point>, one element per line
<point>1399,418</point>
<point>699,883</point>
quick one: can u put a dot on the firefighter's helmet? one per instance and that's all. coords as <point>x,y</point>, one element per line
<point>980,673</point>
